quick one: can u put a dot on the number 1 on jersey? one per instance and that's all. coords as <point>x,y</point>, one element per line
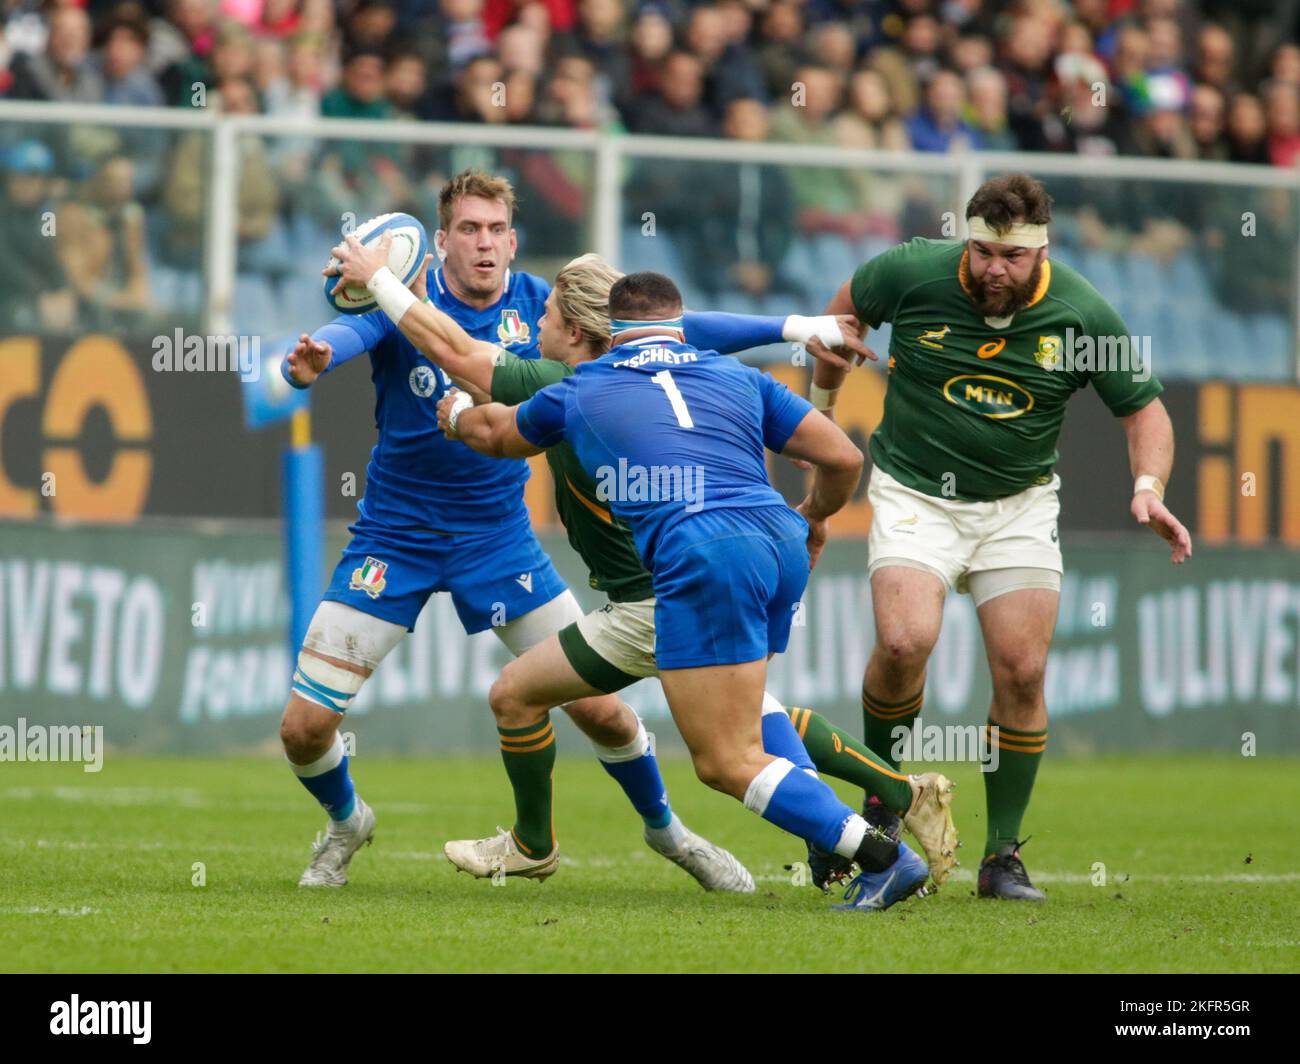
<point>665,381</point>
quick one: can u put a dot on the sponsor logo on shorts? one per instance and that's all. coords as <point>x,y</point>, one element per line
<point>989,396</point>
<point>525,580</point>
<point>513,329</point>
<point>934,337</point>
<point>370,578</point>
<point>424,382</point>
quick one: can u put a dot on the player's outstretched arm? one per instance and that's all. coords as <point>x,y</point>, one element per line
<point>827,377</point>
<point>469,362</point>
<point>1151,459</point>
<point>835,338</point>
<point>489,429</point>
<point>837,468</point>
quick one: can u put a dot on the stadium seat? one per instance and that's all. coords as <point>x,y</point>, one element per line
<point>1269,353</point>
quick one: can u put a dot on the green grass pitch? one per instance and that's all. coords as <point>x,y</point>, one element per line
<point>96,874</point>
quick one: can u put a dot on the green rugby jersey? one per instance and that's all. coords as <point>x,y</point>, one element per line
<point>983,399</point>
<point>602,540</point>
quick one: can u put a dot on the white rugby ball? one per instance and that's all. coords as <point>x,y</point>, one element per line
<point>405,259</point>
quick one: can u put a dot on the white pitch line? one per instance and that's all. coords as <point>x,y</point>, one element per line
<point>1116,881</point>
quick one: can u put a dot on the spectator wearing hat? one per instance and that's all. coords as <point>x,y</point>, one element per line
<point>35,295</point>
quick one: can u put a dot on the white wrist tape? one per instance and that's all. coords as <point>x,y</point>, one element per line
<point>462,402</point>
<point>822,398</point>
<point>799,329</point>
<point>394,298</point>
<point>1148,482</point>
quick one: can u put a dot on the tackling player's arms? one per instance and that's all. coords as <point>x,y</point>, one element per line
<point>489,429</point>
<point>469,362</point>
<point>837,468</point>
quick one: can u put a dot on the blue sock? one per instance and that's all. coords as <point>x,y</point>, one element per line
<point>781,740</point>
<point>635,769</point>
<point>328,780</point>
<point>799,804</point>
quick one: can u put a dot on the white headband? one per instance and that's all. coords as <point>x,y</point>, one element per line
<point>1019,234</point>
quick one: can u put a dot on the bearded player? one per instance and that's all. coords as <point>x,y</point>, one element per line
<point>963,495</point>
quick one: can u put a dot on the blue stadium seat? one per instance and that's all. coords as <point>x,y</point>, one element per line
<point>1103,270</point>
<point>1270,351</point>
<point>656,253</point>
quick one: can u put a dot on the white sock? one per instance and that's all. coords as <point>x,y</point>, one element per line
<point>667,839</point>
<point>855,830</point>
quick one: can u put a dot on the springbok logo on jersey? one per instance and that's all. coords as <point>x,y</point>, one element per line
<point>982,393</point>
<point>1048,354</point>
<point>934,337</point>
<point>513,329</point>
<point>370,578</point>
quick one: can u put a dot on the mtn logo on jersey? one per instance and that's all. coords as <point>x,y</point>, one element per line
<point>934,337</point>
<point>513,329</point>
<point>424,382</point>
<point>370,577</point>
<point>989,396</point>
<point>525,580</point>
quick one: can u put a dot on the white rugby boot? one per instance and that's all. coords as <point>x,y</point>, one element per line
<point>711,866</point>
<point>333,850</point>
<point>930,822</point>
<point>499,855</point>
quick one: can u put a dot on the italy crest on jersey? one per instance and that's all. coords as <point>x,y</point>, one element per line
<point>513,329</point>
<point>370,577</point>
<point>1048,354</point>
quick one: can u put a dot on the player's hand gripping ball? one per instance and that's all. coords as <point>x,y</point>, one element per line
<point>405,259</point>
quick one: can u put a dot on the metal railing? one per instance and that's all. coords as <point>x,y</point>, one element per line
<point>610,157</point>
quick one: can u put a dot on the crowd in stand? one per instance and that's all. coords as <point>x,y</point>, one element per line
<point>1184,79</point>
<point>1210,79</point>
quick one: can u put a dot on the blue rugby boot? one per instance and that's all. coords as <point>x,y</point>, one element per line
<point>873,891</point>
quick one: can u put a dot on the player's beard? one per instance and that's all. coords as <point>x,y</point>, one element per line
<point>1008,301</point>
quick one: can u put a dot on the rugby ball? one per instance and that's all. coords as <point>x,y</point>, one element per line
<point>405,259</point>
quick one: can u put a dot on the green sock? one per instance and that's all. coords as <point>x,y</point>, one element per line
<point>881,718</point>
<point>838,753</point>
<point>529,756</point>
<point>1007,789</point>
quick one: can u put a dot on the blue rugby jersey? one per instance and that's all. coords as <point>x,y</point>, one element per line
<point>701,419</point>
<point>417,478</point>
